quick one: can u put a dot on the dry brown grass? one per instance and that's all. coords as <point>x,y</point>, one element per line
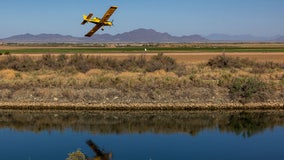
<point>7,74</point>
<point>194,58</point>
<point>200,85</point>
<point>191,58</point>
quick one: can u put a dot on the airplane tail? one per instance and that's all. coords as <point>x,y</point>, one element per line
<point>86,18</point>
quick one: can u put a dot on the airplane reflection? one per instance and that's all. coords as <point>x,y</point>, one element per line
<point>100,155</point>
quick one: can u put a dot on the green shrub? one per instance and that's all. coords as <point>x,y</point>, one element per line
<point>7,53</point>
<point>159,62</point>
<point>258,70</point>
<point>80,62</point>
<point>111,64</point>
<point>264,67</point>
<point>9,62</point>
<point>249,89</point>
<point>225,79</point>
<point>84,63</point>
<point>25,63</point>
<point>133,63</point>
<point>62,61</point>
<point>224,61</point>
<point>102,63</point>
<point>47,61</point>
<point>271,65</point>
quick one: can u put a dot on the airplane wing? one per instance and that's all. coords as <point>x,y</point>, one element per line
<point>86,18</point>
<point>93,30</point>
<point>109,12</point>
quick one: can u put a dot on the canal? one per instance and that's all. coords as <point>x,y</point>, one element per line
<point>142,135</point>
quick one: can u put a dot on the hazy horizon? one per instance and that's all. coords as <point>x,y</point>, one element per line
<point>259,18</point>
<point>113,34</point>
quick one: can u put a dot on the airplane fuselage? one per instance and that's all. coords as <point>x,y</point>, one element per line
<point>97,20</point>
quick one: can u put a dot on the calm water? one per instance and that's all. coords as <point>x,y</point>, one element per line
<point>143,135</point>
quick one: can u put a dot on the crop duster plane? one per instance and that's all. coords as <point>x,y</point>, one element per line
<point>100,23</point>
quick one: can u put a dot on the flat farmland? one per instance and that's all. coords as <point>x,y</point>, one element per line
<point>188,53</point>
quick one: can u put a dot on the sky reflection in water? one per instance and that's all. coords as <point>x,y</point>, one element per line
<point>206,144</point>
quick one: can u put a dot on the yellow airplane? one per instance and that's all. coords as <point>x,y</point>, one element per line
<point>99,22</point>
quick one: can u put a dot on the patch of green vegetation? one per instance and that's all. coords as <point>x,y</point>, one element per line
<point>159,62</point>
<point>249,89</point>
<point>151,48</point>
<point>224,61</point>
<point>84,63</point>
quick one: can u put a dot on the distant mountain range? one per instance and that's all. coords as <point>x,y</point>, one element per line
<point>279,39</point>
<point>243,38</point>
<point>137,36</point>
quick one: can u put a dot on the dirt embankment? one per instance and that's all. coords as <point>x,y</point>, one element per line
<point>154,106</point>
<point>194,85</point>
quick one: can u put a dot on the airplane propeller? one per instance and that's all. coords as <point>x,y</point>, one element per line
<point>112,22</point>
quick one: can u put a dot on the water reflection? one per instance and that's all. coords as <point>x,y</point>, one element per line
<point>100,154</point>
<point>248,124</point>
<point>141,135</point>
<point>242,123</point>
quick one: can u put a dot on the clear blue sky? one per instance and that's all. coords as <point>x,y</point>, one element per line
<point>177,17</point>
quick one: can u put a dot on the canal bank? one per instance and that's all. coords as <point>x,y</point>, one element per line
<point>140,106</point>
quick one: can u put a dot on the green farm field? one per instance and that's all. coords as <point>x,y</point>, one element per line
<point>132,47</point>
<point>189,53</point>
